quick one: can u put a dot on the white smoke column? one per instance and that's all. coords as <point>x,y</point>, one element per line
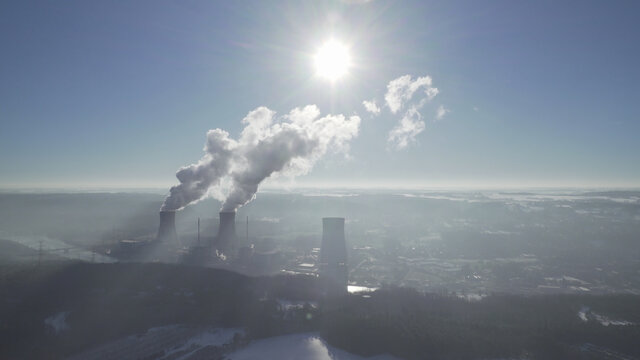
<point>268,146</point>
<point>289,147</point>
<point>196,179</point>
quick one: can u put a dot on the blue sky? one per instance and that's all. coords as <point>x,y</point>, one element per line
<point>121,94</point>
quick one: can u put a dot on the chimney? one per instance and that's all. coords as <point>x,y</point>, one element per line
<point>167,229</point>
<point>226,232</point>
<point>333,256</point>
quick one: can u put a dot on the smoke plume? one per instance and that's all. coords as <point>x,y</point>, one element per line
<point>196,179</point>
<point>267,146</point>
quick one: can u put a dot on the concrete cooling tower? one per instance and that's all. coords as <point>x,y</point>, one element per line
<point>167,229</point>
<point>226,238</point>
<point>333,255</point>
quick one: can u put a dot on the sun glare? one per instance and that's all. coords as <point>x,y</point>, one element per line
<point>332,60</point>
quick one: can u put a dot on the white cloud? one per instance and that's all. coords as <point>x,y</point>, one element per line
<point>407,129</point>
<point>371,107</point>
<point>441,112</point>
<point>432,92</point>
<point>405,92</point>
<point>402,89</point>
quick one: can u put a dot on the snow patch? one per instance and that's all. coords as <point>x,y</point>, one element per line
<point>57,322</point>
<point>297,346</point>
<point>472,297</point>
<point>354,289</point>
<point>288,305</point>
<point>212,337</point>
<point>585,314</point>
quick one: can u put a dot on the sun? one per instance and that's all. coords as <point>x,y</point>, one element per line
<point>332,60</point>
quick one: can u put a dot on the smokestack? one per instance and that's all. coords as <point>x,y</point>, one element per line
<point>333,255</point>
<point>167,229</point>
<point>226,232</point>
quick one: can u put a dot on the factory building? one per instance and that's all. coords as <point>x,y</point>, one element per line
<point>333,256</point>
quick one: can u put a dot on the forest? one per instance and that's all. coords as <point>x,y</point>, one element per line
<point>108,301</point>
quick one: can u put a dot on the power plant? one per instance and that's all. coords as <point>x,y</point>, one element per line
<point>262,255</point>
<point>333,256</point>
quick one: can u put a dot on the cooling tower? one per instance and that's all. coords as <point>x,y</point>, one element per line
<point>226,232</point>
<point>167,229</point>
<point>333,255</point>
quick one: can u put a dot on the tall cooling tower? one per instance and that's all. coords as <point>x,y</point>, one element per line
<point>333,255</point>
<point>226,232</point>
<point>167,229</point>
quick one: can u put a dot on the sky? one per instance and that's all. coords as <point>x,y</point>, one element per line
<point>122,94</point>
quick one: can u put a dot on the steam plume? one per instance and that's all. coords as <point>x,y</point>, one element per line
<point>196,179</point>
<point>290,146</point>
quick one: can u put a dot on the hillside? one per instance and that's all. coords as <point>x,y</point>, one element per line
<point>63,308</point>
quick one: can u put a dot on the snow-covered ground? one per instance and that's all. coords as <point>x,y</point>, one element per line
<point>585,314</point>
<point>472,297</point>
<point>178,342</point>
<point>294,347</point>
<point>353,289</point>
<point>212,337</point>
<point>57,322</point>
<point>288,305</point>
<point>165,342</point>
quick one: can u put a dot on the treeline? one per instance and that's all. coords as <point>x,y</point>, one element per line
<point>108,301</point>
<point>412,325</point>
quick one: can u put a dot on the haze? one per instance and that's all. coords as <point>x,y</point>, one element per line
<point>319,179</point>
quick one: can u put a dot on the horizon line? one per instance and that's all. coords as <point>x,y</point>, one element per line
<point>333,186</point>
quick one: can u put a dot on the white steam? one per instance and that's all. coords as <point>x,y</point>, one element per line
<point>196,179</point>
<point>290,146</point>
